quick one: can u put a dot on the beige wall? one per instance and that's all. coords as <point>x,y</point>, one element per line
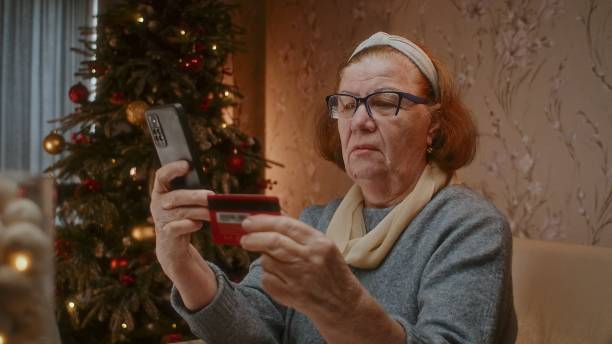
<point>249,67</point>
<point>534,74</point>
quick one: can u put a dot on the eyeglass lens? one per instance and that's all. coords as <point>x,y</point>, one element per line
<point>384,104</point>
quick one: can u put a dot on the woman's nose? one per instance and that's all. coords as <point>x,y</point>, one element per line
<point>361,120</point>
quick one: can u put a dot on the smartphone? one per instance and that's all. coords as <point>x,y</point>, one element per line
<point>228,211</point>
<point>173,141</point>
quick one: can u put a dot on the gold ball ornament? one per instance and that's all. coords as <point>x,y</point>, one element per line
<point>135,112</point>
<point>54,143</point>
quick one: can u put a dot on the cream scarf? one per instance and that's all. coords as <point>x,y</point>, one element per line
<point>347,229</point>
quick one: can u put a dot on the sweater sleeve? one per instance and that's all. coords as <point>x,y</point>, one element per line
<point>239,313</point>
<point>463,293</point>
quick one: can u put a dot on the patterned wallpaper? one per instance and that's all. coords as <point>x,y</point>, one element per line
<point>536,74</point>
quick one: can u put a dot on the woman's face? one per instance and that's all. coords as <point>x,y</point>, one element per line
<point>387,148</point>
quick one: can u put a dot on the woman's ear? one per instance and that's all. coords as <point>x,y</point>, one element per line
<point>434,124</point>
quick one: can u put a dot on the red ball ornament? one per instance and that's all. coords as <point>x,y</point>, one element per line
<point>117,98</point>
<point>91,184</point>
<point>80,138</point>
<point>117,263</point>
<point>127,279</point>
<point>193,64</point>
<point>63,248</point>
<point>236,163</point>
<point>205,103</point>
<point>172,338</point>
<point>78,93</point>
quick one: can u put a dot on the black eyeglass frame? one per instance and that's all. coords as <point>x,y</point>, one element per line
<point>364,101</point>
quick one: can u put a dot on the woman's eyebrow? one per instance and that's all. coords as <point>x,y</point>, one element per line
<point>380,89</point>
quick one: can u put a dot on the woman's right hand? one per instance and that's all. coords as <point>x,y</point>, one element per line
<point>177,214</point>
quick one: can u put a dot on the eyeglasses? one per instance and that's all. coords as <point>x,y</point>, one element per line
<point>377,104</point>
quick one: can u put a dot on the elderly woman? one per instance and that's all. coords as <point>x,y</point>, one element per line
<point>404,257</point>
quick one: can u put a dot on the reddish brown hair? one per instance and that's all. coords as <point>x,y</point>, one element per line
<point>454,144</point>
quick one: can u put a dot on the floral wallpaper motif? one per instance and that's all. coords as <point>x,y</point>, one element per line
<point>536,74</point>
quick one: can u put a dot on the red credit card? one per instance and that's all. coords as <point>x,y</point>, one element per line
<point>228,211</point>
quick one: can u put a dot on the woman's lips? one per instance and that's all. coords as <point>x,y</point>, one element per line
<point>363,149</point>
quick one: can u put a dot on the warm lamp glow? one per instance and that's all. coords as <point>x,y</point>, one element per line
<point>226,93</point>
<point>223,125</point>
<point>21,262</point>
<point>71,307</point>
<point>140,19</point>
<point>2,339</point>
<point>173,325</point>
<point>124,325</point>
<point>133,171</point>
<point>183,32</point>
<point>214,47</point>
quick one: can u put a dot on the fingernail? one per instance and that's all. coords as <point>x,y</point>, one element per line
<point>247,222</point>
<point>242,240</point>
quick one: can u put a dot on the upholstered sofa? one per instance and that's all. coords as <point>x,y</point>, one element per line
<point>562,293</point>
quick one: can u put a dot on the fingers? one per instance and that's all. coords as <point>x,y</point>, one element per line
<point>182,227</point>
<point>191,213</point>
<point>294,229</point>
<point>167,173</point>
<point>278,246</point>
<point>179,198</point>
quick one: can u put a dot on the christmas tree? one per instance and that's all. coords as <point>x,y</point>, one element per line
<point>110,287</point>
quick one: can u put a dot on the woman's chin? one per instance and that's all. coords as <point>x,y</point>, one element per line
<point>367,172</point>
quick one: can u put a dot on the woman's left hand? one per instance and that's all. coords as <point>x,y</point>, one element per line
<point>302,268</point>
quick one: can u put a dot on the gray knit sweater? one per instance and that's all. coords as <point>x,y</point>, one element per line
<point>446,280</point>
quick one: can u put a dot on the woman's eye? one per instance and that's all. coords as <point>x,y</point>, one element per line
<point>383,103</point>
<point>347,107</point>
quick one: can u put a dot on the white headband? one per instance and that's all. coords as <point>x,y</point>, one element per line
<point>408,48</point>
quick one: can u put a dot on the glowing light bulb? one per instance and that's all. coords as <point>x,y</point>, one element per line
<point>214,47</point>
<point>223,125</point>
<point>173,325</point>
<point>93,71</point>
<point>137,233</point>
<point>226,93</point>
<point>21,262</point>
<point>133,171</point>
<point>140,19</point>
<point>183,32</point>
<point>71,305</point>
<point>124,325</point>
<point>113,161</point>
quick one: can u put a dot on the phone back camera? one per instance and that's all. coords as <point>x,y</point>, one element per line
<point>156,130</point>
